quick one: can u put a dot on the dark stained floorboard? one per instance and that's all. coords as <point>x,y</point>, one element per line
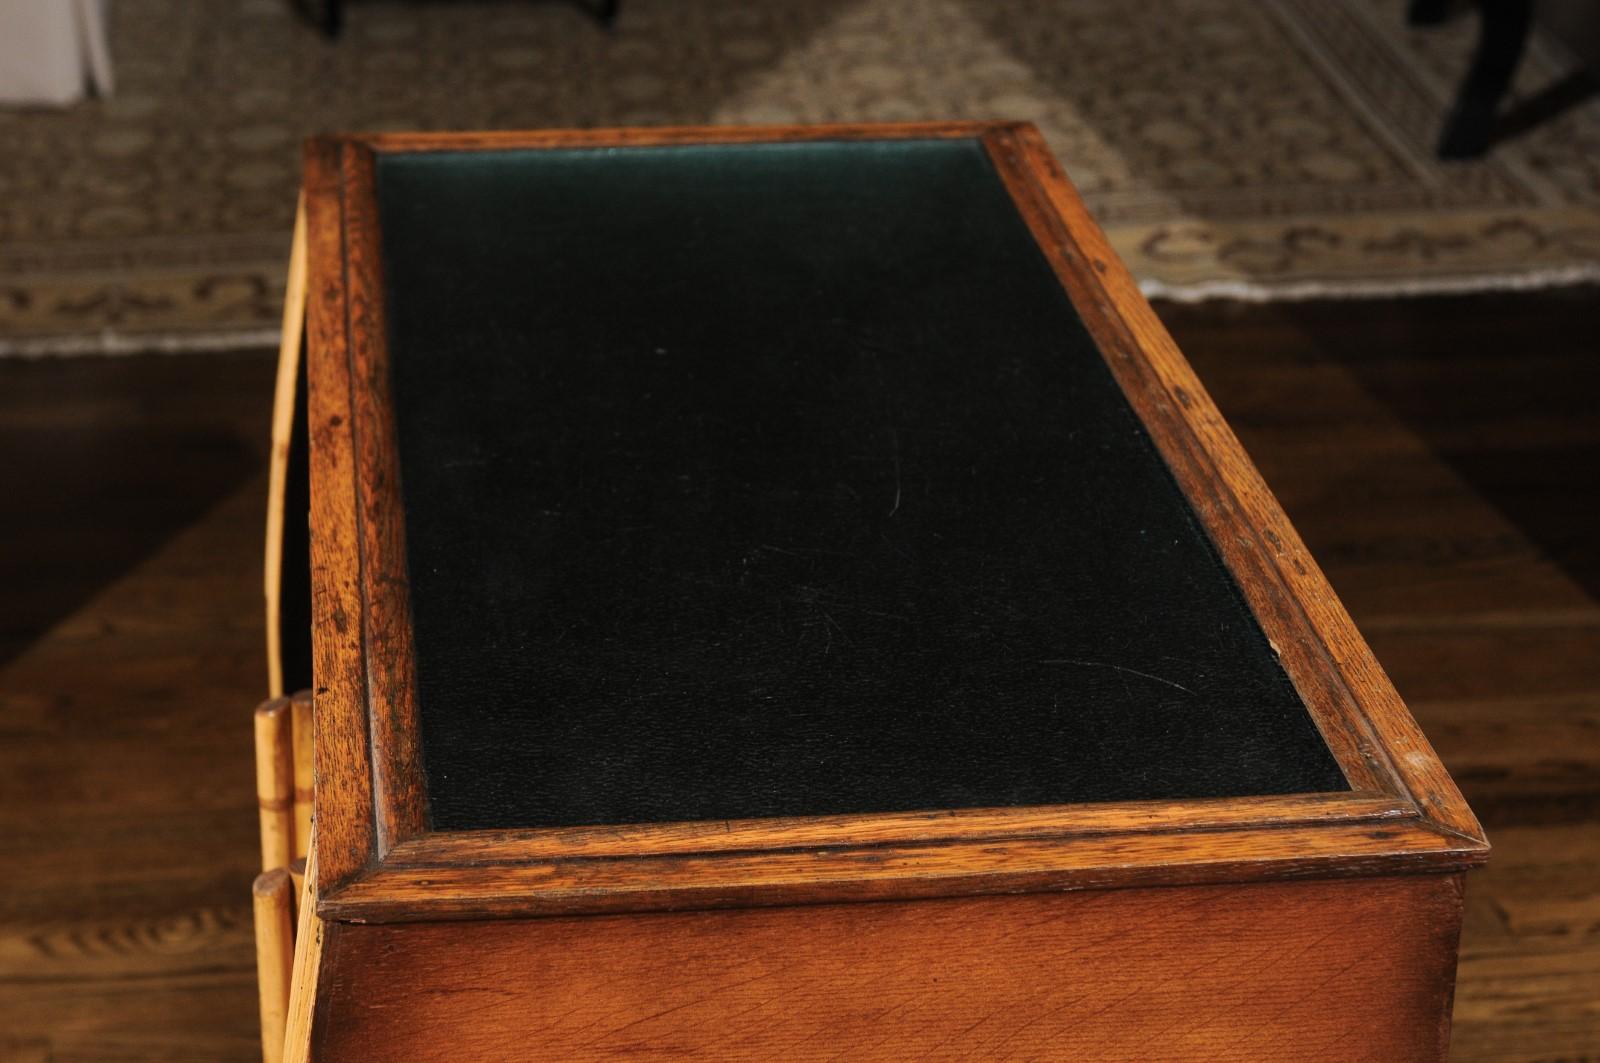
<point>134,509</point>
<point>1440,456</point>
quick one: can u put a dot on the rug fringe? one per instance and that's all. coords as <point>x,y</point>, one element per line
<point>115,344</point>
<point>1371,287</point>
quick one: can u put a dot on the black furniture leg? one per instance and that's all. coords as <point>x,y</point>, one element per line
<point>328,15</point>
<point>325,15</point>
<point>1503,33</point>
<point>1428,12</point>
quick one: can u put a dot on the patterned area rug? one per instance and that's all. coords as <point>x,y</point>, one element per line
<point>1264,149</point>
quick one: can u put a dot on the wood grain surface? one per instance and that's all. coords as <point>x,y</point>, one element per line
<point>344,780</point>
<point>486,887</point>
<point>398,792</point>
<point>1347,971</point>
<point>307,966</point>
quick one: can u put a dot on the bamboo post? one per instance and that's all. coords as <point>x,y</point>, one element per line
<point>307,965</point>
<point>294,316</point>
<point>304,770</point>
<point>274,958</point>
<point>275,782</point>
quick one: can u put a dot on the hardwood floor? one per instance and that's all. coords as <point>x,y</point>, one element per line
<point>1441,458</point>
<point>131,640</point>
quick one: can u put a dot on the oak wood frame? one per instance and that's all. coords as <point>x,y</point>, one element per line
<point>379,862</point>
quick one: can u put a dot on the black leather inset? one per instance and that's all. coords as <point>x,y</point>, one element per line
<point>783,479</point>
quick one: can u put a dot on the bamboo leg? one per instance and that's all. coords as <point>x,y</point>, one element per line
<point>307,964</point>
<point>304,770</point>
<point>294,316</point>
<point>274,958</point>
<point>275,783</point>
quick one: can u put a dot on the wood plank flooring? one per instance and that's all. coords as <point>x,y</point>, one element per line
<point>131,638</point>
<point>1441,458</point>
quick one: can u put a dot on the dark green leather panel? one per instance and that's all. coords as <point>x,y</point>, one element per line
<point>783,479</point>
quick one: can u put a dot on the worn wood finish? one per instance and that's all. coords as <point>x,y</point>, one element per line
<point>514,139</point>
<point>1404,814</point>
<point>433,890</point>
<point>344,783</point>
<point>951,825</point>
<point>399,798</point>
<point>1320,970</point>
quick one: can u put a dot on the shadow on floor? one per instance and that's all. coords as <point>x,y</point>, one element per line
<point>1515,415</point>
<point>103,461</point>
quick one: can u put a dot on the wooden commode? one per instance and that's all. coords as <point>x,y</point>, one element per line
<point>779,594</point>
